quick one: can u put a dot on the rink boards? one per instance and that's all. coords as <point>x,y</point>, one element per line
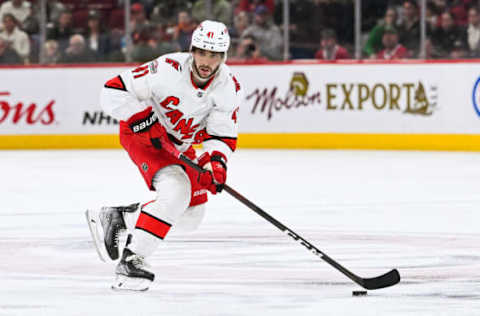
<point>404,105</point>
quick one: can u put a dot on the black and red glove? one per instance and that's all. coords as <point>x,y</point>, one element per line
<point>147,129</point>
<point>215,174</point>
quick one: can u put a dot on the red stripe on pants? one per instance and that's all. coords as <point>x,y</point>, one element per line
<point>152,225</point>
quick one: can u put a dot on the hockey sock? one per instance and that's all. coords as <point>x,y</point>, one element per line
<point>156,218</point>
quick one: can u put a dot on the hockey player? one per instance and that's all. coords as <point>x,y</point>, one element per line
<point>183,99</point>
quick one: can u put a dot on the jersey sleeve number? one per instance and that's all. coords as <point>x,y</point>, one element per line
<point>234,115</point>
<point>140,71</point>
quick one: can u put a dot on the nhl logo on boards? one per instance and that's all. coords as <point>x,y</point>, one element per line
<point>144,167</point>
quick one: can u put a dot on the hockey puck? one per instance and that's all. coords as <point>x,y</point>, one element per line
<point>359,293</point>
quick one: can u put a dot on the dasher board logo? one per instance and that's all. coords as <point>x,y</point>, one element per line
<point>476,96</point>
<point>408,98</point>
<point>412,98</point>
<point>97,118</point>
<point>267,101</point>
<point>15,110</point>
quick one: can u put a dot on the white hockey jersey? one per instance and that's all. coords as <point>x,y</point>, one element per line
<point>188,113</point>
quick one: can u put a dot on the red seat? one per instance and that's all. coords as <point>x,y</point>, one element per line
<point>117,19</point>
<point>80,19</point>
<point>101,4</point>
<point>74,4</point>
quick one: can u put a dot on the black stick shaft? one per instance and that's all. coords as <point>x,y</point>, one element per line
<point>388,279</point>
<point>289,232</point>
<point>275,222</point>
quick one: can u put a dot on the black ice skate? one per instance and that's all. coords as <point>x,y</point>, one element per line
<point>106,225</point>
<point>132,274</point>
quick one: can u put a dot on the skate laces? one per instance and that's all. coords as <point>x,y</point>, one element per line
<point>117,230</point>
<point>106,216</point>
<point>137,261</point>
<point>116,238</point>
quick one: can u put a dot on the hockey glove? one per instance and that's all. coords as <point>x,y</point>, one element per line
<point>215,174</point>
<point>147,129</point>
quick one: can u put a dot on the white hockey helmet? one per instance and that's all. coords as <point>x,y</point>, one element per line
<point>212,36</point>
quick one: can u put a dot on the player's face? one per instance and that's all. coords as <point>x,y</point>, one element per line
<point>206,62</point>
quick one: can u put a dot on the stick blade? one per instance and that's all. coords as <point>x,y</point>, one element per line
<point>388,279</point>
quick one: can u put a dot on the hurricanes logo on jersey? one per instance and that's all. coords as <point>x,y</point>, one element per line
<point>175,116</point>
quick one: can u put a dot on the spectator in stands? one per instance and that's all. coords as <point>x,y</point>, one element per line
<point>459,50</point>
<point>138,20</point>
<point>54,9</point>
<point>440,5</point>
<point>251,5</point>
<point>161,43</point>
<point>166,11</point>
<point>77,51</point>
<point>430,50</point>
<point>392,48</point>
<point>266,33</point>
<point>117,46</point>
<point>221,11</point>
<point>8,56</point>
<point>97,40</point>
<point>147,4</point>
<point>329,49</point>
<point>473,32</point>
<point>14,37</point>
<point>248,50</point>
<point>409,29</point>
<point>50,52</point>
<point>374,43</point>
<point>458,9</point>
<point>61,30</point>
<point>31,26</point>
<point>240,23</point>
<point>445,36</point>
<point>432,17</point>
<point>183,30</point>
<point>142,51</point>
<point>20,9</point>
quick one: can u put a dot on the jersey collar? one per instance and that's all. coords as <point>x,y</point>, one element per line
<point>206,85</point>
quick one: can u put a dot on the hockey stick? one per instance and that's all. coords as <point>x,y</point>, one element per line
<point>388,279</point>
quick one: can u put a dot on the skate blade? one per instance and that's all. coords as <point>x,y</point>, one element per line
<point>124,283</point>
<point>97,236</point>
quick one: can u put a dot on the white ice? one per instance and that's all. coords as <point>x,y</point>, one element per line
<point>371,211</point>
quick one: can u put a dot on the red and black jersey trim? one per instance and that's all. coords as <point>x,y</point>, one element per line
<point>237,85</point>
<point>231,142</point>
<point>152,225</point>
<point>116,83</point>
<point>207,84</point>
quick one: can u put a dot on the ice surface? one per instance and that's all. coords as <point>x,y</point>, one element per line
<point>371,211</point>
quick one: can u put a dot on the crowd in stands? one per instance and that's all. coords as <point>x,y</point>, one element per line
<point>452,30</point>
<point>90,31</point>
